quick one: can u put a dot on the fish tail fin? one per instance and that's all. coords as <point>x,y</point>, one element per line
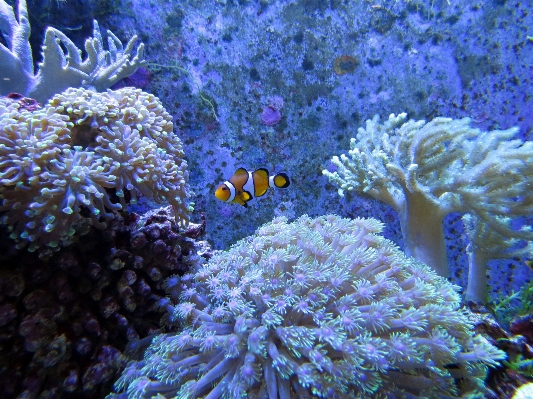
<point>281,180</point>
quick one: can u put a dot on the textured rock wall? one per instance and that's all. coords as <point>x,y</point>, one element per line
<point>334,64</point>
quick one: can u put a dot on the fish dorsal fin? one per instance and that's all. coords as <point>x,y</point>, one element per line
<point>241,171</point>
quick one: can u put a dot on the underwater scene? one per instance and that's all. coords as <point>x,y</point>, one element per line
<point>266,199</point>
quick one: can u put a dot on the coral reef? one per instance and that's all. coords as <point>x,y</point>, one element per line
<point>65,322</point>
<point>428,59</point>
<point>426,171</point>
<point>71,163</point>
<point>319,307</point>
<point>62,66</point>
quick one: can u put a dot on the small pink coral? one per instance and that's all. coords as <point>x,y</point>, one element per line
<point>270,116</point>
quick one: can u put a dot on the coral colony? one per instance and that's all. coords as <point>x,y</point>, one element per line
<point>428,170</point>
<point>323,307</point>
<point>66,321</point>
<point>99,299</point>
<point>59,163</point>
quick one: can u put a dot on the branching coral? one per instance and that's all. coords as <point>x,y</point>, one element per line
<point>58,164</point>
<point>319,307</point>
<point>427,170</point>
<point>62,65</point>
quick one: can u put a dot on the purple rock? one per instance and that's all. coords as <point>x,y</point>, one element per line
<point>83,345</point>
<point>139,79</point>
<point>8,313</point>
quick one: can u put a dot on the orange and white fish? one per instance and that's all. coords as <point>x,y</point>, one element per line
<point>244,186</point>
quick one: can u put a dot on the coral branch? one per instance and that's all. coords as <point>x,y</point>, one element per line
<point>62,65</point>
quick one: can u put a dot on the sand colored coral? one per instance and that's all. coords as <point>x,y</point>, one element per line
<point>61,166</point>
<point>321,307</point>
<point>427,170</point>
<point>62,66</point>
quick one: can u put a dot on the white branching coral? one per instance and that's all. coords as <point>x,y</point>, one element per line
<point>62,65</point>
<point>319,307</point>
<point>60,165</point>
<point>427,170</point>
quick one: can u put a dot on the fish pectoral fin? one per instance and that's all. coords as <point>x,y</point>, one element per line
<point>241,171</point>
<point>246,196</point>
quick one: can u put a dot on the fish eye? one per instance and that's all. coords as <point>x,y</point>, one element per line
<point>224,189</point>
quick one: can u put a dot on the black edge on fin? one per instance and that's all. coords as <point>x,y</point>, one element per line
<point>284,176</point>
<point>262,170</point>
<point>250,196</point>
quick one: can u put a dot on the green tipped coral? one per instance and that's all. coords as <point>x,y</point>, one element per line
<point>509,306</point>
<point>60,165</point>
<point>319,307</point>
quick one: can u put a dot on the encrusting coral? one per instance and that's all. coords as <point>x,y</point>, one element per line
<point>66,321</point>
<point>62,166</point>
<point>319,307</point>
<point>62,65</point>
<point>428,170</point>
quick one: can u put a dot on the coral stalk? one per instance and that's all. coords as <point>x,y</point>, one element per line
<point>423,240</point>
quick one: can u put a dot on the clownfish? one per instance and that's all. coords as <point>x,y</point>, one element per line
<point>243,186</point>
